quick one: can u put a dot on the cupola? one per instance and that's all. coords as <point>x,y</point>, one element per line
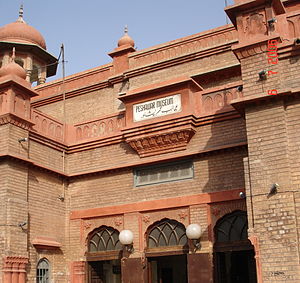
<point>20,32</point>
<point>126,39</point>
<point>120,54</point>
<point>31,52</point>
<point>12,68</point>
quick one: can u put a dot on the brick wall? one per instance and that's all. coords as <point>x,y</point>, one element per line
<point>273,157</point>
<point>193,68</point>
<point>47,218</point>
<point>45,155</point>
<point>207,137</point>
<point>86,107</point>
<point>3,210</point>
<point>212,173</point>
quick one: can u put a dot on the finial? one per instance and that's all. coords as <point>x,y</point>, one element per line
<point>125,39</point>
<point>13,57</point>
<point>21,12</point>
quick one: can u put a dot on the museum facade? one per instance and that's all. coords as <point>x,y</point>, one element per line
<point>176,163</point>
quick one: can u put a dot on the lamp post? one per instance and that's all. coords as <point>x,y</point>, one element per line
<point>193,232</point>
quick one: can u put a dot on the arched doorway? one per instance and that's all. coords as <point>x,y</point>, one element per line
<point>166,251</point>
<point>103,256</point>
<point>234,254</point>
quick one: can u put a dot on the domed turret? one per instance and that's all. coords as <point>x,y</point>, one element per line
<point>12,68</point>
<point>125,39</point>
<point>31,51</point>
<point>20,32</point>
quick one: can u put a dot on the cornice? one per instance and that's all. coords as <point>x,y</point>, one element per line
<point>252,100</point>
<point>30,162</point>
<point>152,205</point>
<point>75,77</point>
<point>258,46</point>
<point>70,148</point>
<point>208,34</point>
<point>9,261</point>
<point>83,174</point>
<point>133,73</point>
<point>79,91</point>
<point>98,142</point>
<point>288,50</point>
<point>47,141</point>
<point>179,60</point>
<point>161,86</point>
<point>162,142</point>
<point>13,119</point>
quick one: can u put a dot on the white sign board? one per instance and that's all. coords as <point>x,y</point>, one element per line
<point>157,108</point>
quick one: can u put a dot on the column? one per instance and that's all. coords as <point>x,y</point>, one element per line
<point>14,269</point>
<point>78,272</point>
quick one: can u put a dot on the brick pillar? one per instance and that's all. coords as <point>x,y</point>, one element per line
<point>7,272</point>
<point>14,269</point>
<point>254,241</point>
<point>15,272</point>
<point>22,272</point>
<point>78,272</point>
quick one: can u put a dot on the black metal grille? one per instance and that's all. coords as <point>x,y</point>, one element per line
<point>105,239</point>
<point>42,271</point>
<point>232,227</point>
<point>167,233</point>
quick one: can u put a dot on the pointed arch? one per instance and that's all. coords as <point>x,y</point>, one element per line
<point>43,271</point>
<point>232,227</point>
<point>166,233</point>
<point>103,239</point>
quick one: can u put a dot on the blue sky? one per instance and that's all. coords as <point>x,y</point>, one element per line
<point>90,29</point>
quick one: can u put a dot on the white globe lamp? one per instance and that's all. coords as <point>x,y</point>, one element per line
<point>126,237</point>
<point>193,231</point>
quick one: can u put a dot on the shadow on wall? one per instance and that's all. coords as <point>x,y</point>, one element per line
<point>224,167</point>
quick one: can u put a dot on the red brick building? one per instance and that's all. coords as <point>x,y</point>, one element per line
<point>200,130</point>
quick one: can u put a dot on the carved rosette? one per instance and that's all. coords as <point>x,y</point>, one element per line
<point>162,142</point>
<point>87,225</point>
<point>118,221</point>
<point>183,214</point>
<point>146,219</point>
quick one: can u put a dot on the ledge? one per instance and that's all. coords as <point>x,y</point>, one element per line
<point>161,85</point>
<point>232,10</point>
<point>152,205</point>
<point>45,243</point>
<point>240,104</point>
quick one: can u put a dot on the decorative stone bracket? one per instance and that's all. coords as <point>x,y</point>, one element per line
<point>161,142</point>
<point>160,117</point>
<point>10,118</point>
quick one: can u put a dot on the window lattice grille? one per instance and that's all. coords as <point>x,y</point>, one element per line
<point>161,173</point>
<point>167,233</point>
<point>105,239</point>
<point>42,271</point>
<point>232,227</point>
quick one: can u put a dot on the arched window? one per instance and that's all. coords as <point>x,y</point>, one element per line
<point>42,271</point>
<point>166,233</point>
<point>232,227</point>
<point>104,239</point>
